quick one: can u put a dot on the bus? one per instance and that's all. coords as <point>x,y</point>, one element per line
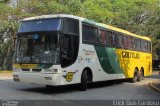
<point>63,49</point>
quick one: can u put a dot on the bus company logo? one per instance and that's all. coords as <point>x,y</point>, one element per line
<point>89,52</point>
<point>130,55</point>
<point>69,76</point>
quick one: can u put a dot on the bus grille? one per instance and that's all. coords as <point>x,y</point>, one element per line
<point>36,70</point>
<point>25,69</point>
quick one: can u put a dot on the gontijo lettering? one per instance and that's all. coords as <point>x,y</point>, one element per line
<point>130,55</point>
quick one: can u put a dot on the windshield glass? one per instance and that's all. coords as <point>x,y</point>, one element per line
<point>37,48</point>
<point>50,24</point>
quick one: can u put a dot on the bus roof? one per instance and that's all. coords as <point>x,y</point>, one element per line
<point>51,16</point>
<point>88,21</point>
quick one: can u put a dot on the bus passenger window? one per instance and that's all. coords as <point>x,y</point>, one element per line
<point>86,33</point>
<point>125,41</point>
<point>144,45</point>
<point>102,36</point>
<point>121,41</point>
<point>149,47</point>
<point>138,44</point>
<point>130,42</point>
<point>108,37</point>
<point>94,32</point>
<point>115,40</point>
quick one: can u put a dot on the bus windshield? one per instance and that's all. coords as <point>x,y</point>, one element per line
<point>37,48</point>
<point>40,25</point>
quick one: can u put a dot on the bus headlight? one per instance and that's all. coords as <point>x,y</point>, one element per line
<point>16,69</point>
<point>51,70</point>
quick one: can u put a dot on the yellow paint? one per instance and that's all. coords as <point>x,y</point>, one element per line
<point>129,64</point>
<point>25,65</point>
<point>69,76</point>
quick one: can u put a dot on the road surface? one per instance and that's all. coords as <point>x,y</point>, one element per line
<point>70,95</point>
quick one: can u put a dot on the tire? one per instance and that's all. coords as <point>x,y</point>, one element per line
<point>135,77</point>
<point>141,75</point>
<point>83,84</point>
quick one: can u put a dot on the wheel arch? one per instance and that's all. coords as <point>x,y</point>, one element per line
<point>142,69</point>
<point>136,70</point>
<point>89,73</point>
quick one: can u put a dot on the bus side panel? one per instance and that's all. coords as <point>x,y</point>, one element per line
<point>129,60</point>
<point>108,59</point>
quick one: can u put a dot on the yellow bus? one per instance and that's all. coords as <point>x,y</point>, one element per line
<point>64,49</point>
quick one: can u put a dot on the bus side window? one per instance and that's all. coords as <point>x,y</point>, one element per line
<point>121,41</point>
<point>70,42</point>
<point>144,45</point>
<point>115,40</point>
<point>102,36</point>
<point>131,43</point>
<point>138,44</point>
<point>94,32</point>
<point>89,33</point>
<point>86,33</point>
<point>65,47</point>
<point>108,37</point>
<point>149,47</point>
<point>71,26</point>
<point>69,51</point>
<point>125,42</point>
<point>112,38</point>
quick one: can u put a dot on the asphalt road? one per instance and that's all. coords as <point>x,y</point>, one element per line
<point>70,95</point>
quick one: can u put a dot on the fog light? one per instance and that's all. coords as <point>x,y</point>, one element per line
<point>16,69</point>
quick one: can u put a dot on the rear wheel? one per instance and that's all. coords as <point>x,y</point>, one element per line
<point>135,76</point>
<point>83,84</point>
<point>141,75</point>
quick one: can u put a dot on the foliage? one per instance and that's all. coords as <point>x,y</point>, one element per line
<point>138,16</point>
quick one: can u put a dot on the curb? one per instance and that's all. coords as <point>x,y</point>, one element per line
<point>154,88</point>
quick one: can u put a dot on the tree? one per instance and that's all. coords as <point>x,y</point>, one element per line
<point>138,16</point>
<point>98,10</point>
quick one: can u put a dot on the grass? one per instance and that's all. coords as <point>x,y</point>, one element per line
<point>5,71</point>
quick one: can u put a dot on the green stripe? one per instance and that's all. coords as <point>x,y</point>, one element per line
<point>108,59</point>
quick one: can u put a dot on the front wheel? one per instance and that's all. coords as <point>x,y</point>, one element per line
<point>83,84</point>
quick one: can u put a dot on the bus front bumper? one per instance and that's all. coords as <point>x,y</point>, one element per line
<point>37,78</point>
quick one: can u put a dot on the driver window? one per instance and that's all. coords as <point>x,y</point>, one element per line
<point>69,50</point>
<point>66,49</point>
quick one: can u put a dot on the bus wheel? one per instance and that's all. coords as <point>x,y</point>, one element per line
<point>135,77</point>
<point>83,84</point>
<point>141,75</point>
